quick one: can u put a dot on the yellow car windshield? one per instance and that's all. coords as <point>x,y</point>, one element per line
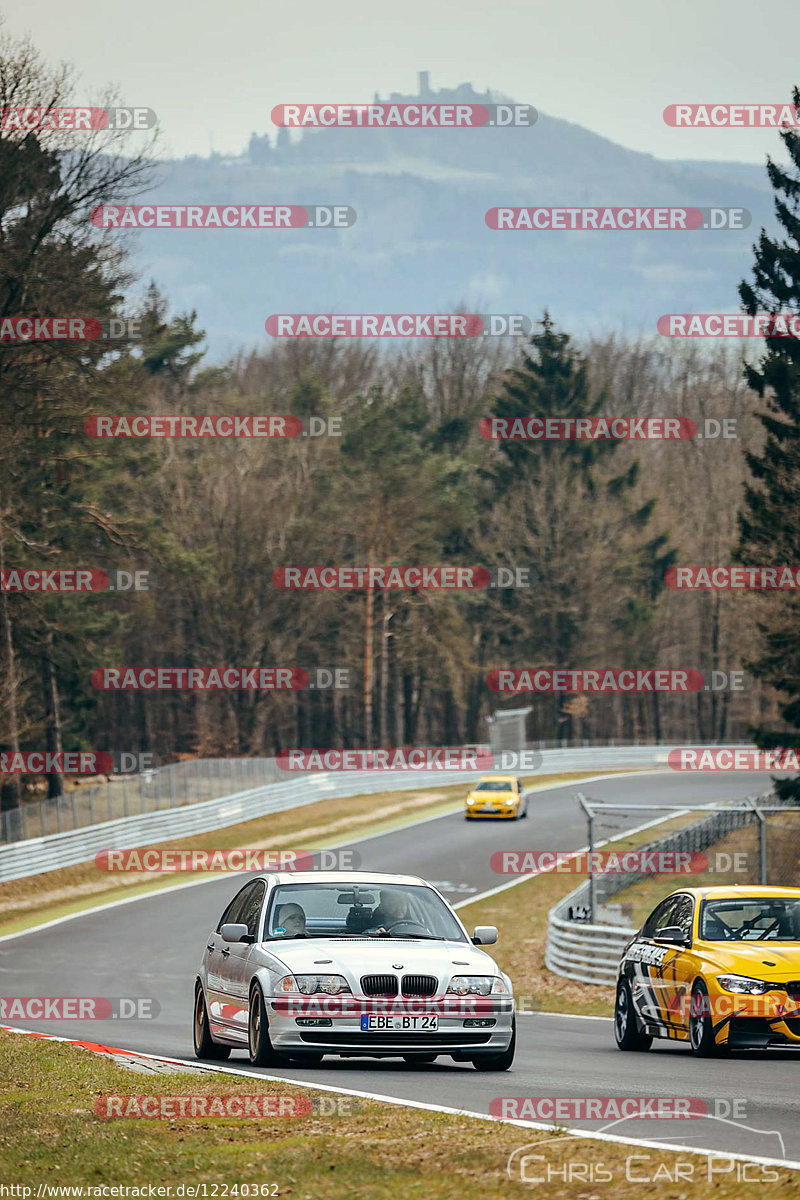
<point>750,919</point>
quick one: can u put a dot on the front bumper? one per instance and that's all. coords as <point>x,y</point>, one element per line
<point>749,1022</point>
<point>332,1025</point>
<point>493,810</point>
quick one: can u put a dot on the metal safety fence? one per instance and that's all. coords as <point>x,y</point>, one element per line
<point>757,842</point>
<point>33,855</point>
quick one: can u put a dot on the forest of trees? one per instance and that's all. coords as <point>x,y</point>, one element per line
<point>409,481</point>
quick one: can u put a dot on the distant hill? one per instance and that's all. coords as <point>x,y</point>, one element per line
<point>420,243</point>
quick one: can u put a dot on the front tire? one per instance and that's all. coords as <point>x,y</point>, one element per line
<point>501,1061</point>
<point>204,1044</point>
<point>701,1026</point>
<point>626,1031</point>
<point>261,1051</point>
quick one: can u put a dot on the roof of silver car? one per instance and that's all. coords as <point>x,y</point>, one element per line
<point>344,877</point>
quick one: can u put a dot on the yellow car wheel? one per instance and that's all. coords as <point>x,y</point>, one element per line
<point>701,1025</point>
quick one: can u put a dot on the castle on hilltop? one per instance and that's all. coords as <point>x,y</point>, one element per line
<point>465,92</point>
<point>339,144</point>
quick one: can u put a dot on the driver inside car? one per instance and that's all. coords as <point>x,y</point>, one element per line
<point>290,920</point>
<point>392,908</point>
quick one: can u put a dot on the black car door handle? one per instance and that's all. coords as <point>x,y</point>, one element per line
<point>210,946</point>
<point>225,952</point>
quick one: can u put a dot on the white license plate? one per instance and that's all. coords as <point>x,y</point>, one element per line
<point>371,1021</point>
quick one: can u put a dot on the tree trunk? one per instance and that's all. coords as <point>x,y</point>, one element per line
<point>369,607</point>
<point>656,718</point>
<point>11,794</point>
<point>399,707</point>
<point>55,782</point>
<point>383,710</point>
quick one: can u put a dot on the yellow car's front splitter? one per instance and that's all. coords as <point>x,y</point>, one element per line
<point>750,1020</point>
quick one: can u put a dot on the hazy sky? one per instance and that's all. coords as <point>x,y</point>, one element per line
<point>213,71</point>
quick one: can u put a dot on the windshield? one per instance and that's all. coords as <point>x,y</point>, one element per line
<point>751,919</point>
<point>340,910</point>
<point>494,785</point>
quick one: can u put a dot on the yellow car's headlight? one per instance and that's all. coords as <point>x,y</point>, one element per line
<point>744,985</point>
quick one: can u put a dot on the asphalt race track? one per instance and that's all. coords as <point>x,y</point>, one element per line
<point>152,947</point>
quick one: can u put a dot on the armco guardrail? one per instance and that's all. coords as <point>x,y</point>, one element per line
<point>591,953</point>
<point>33,856</point>
<point>588,953</point>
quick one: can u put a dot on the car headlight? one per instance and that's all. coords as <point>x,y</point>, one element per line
<point>743,985</point>
<point>477,985</point>
<point>307,985</point>
<point>471,800</point>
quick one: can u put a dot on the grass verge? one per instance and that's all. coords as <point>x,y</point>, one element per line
<point>50,1135</point>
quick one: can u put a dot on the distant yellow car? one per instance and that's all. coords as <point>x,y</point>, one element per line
<point>497,796</point>
<point>716,967</point>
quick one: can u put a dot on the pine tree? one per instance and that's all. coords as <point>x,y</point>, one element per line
<point>573,514</point>
<point>768,524</point>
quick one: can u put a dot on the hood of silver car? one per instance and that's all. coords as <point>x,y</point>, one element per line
<point>320,956</point>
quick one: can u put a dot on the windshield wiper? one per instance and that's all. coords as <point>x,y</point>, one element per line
<point>418,937</point>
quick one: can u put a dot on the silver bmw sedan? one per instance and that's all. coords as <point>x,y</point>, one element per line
<point>303,964</point>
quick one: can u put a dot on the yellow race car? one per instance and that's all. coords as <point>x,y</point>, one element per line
<point>497,796</point>
<point>716,967</point>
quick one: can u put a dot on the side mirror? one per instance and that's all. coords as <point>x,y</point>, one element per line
<point>484,935</point>
<point>236,933</point>
<point>672,934</point>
